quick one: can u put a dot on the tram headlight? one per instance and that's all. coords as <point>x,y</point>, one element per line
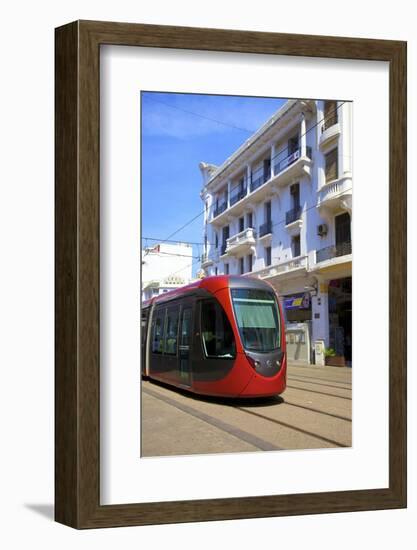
<point>253,363</point>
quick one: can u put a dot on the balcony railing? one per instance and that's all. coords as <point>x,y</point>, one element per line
<point>335,191</point>
<point>220,209</point>
<point>265,228</point>
<point>242,241</point>
<point>236,197</point>
<point>301,262</point>
<point>334,251</point>
<point>258,179</point>
<point>208,259</point>
<point>329,121</point>
<point>282,164</point>
<point>293,215</point>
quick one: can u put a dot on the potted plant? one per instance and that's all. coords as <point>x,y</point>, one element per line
<point>332,359</point>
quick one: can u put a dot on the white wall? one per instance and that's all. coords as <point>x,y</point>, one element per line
<point>26,218</point>
<point>170,260</point>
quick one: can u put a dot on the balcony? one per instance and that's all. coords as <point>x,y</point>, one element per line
<point>329,133</point>
<point>293,167</point>
<point>290,159</point>
<point>283,269</point>
<point>336,194</point>
<point>220,209</point>
<point>241,242</point>
<point>293,215</point>
<point>259,179</point>
<point>238,195</point>
<point>334,251</point>
<point>265,229</point>
<point>206,260</point>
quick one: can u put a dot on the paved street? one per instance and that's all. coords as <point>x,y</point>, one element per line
<point>315,411</point>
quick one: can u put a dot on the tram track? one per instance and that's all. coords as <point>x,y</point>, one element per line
<point>292,427</point>
<point>245,436</point>
<point>303,381</point>
<point>312,409</point>
<point>304,377</point>
<point>257,442</point>
<point>319,392</point>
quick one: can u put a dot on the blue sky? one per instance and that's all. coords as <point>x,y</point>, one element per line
<point>179,131</point>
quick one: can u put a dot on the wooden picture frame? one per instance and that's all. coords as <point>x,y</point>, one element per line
<point>77,374</point>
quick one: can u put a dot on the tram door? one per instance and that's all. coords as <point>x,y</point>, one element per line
<point>185,342</point>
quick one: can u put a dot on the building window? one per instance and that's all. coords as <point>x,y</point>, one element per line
<point>330,114</point>
<point>267,211</point>
<point>250,262</point>
<point>268,255</point>
<point>293,145</point>
<point>295,195</point>
<point>267,169</point>
<point>216,271</point>
<point>332,168</point>
<point>226,269</point>
<point>216,331</point>
<point>241,224</point>
<point>249,220</point>
<point>225,236</point>
<point>296,247</point>
<point>343,235</point>
<point>241,266</point>
<point>216,239</point>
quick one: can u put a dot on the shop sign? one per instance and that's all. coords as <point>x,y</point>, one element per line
<point>297,301</point>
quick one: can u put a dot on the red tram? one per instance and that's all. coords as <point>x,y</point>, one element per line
<point>221,336</point>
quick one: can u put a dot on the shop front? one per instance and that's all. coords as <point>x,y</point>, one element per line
<point>297,311</point>
<point>340,317</point>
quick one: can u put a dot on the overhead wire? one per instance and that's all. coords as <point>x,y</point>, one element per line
<point>200,115</point>
<point>272,158</point>
<point>237,186</point>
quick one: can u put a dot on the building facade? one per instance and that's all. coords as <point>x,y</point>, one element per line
<point>165,266</point>
<point>280,208</point>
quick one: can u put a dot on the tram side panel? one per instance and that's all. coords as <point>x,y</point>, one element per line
<point>219,365</point>
<point>162,348</point>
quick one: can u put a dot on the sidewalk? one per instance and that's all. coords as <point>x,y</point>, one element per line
<point>324,369</point>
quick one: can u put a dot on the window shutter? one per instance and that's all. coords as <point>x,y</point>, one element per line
<point>331,165</point>
<point>330,113</point>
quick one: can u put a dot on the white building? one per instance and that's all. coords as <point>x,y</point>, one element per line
<point>280,208</point>
<point>165,266</point>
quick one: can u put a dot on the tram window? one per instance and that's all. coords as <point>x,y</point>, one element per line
<point>158,332</point>
<point>216,331</point>
<point>144,320</point>
<point>257,317</point>
<point>186,326</point>
<point>171,331</point>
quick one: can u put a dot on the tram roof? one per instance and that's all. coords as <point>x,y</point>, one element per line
<point>212,284</point>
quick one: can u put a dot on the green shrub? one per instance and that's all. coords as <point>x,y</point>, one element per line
<point>329,352</point>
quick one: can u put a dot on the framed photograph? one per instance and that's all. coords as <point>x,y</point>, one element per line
<point>230,314</point>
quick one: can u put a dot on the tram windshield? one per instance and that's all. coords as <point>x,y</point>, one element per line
<point>257,316</point>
